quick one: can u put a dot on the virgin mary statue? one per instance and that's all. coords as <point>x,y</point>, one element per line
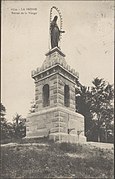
<point>55,32</point>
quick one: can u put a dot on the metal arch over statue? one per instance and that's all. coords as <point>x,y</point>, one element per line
<point>55,31</point>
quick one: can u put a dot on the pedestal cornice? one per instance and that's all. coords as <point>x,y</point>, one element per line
<point>56,49</point>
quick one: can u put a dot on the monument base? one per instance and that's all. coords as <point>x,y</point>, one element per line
<point>71,138</point>
<point>57,123</point>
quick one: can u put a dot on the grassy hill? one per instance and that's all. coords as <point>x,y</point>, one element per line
<point>52,160</point>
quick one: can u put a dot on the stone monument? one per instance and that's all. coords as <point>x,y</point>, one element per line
<point>55,115</point>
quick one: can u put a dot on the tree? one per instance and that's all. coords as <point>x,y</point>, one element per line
<point>102,96</point>
<point>95,103</point>
<point>2,112</point>
<point>110,132</point>
<point>19,126</point>
<point>3,122</point>
<point>7,131</point>
<point>83,105</point>
<point>17,118</point>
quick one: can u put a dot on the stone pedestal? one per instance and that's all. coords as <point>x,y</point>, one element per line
<point>57,117</point>
<point>55,122</point>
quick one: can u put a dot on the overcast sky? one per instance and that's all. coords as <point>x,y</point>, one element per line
<point>88,44</point>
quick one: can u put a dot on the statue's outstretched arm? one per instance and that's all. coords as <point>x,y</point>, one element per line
<point>62,31</point>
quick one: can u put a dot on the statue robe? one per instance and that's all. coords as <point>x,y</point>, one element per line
<point>55,34</point>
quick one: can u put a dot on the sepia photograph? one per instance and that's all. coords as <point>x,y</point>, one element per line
<point>57,89</point>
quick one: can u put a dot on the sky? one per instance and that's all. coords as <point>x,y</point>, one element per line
<point>88,43</point>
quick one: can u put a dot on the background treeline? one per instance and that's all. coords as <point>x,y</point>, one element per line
<point>95,103</point>
<point>11,131</point>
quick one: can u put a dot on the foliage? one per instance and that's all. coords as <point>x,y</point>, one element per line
<point>19,126</point>
<point>102,95</point>
<point>2,111</point>
<point>11,131</point>
<point>6,127</point>
<point>95,104</point>
<point>83,105</point>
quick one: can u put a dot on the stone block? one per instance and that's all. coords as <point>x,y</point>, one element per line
<point>56,114</point>
<point>55,119</point>
<point>54,130</point>
<point>61,91</point>
<point>64,119</point>
<point>61,102</point>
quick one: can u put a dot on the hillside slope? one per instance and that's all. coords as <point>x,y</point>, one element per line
<point>53,160</point>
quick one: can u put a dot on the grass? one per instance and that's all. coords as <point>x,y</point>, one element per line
<point>56,160</point>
